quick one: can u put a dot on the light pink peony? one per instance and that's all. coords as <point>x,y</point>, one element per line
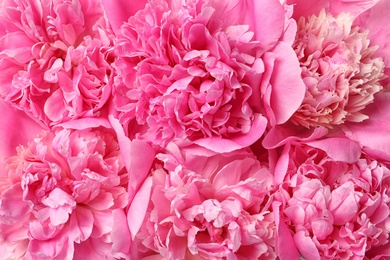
<point>63,197</point>
<point>55,58</point>
<point>208,72</point>
<point>202,207</point>
<point>339,69</point>
<point>336,210</point>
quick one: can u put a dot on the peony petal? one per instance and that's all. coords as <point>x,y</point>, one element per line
<point>376,21</point>
<point>374,132</point>
<point>16,128</point>
<point>119,11</point>
<point>120,235</point>
<point>354,7</point>
<point>55,106</point>
<point>285,246</point>
<point>306,246</point>
<point>288,88</point>
<point>138,207</point>
<point>349,153</point>
<point>223,145</point>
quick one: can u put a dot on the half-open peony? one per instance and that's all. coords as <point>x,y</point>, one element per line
<point>339,69</point>
<point>55,58</point>
<point>208,72</point>
<point>199,207</point>
<point>63,197</point>
<point>336,210</point>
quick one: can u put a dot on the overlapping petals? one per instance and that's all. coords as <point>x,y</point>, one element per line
<point>202,207</point>
<point>336,210</point>
<point>187,72</point>
<point>63,196</point>
<point>55,58</point>
<point>339,69</point>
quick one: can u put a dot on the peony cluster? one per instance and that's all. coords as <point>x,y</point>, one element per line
<point>194,129</point>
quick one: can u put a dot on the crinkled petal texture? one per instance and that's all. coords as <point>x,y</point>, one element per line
<point>339,69</point>
<point>63,194</point>
<point>187,71</point>
<point>201,207</point>
<point>55,58</point>
<point>335,209</point>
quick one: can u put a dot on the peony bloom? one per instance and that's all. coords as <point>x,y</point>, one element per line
<point>339,69</point>
<point>55,58</point>
<point>62,197</point>
<point>336,210</point>
<point>187,72</point>
<point>202,207</point>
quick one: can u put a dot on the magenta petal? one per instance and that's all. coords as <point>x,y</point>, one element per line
<point>16,128</point>
<point>119,11</point>
<point>222,145</point>
<point>307,7</point>
<point>288,89</point>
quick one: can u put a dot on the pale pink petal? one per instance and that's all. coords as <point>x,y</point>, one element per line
<point>374,132</point>
<point>138,207</point>
<point>355,7</point>
<point>222,145</point>
<point>349,153</point>
<point>306,246</point>
<point>285,245</point>
<point>378,26</point>
<point>288,89</point>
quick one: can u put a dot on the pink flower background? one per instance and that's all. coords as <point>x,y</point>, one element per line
<point>194,129</point>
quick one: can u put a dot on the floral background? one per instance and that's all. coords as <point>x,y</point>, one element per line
<point>195,129</point>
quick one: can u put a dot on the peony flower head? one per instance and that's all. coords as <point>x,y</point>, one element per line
<point>339,69</point>
<point>336,210</point>
<point>187,72</point>
<point>55,57</point>
<point>201,207</point>
<point>63,196</point>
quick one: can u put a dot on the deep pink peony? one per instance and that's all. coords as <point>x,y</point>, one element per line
<point>339,69</point>
<point>209,72</point>
<point>336,210</point>
<point>55,58</point>
<point>63,197</point>
<point>215,207</point>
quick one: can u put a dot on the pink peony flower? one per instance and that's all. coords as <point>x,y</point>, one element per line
<point>62,197</point>
<point>336,210</point>
<point>339,69</point>
<point>187,72</point>
<point>202,207</point>
<point>55,57</point>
